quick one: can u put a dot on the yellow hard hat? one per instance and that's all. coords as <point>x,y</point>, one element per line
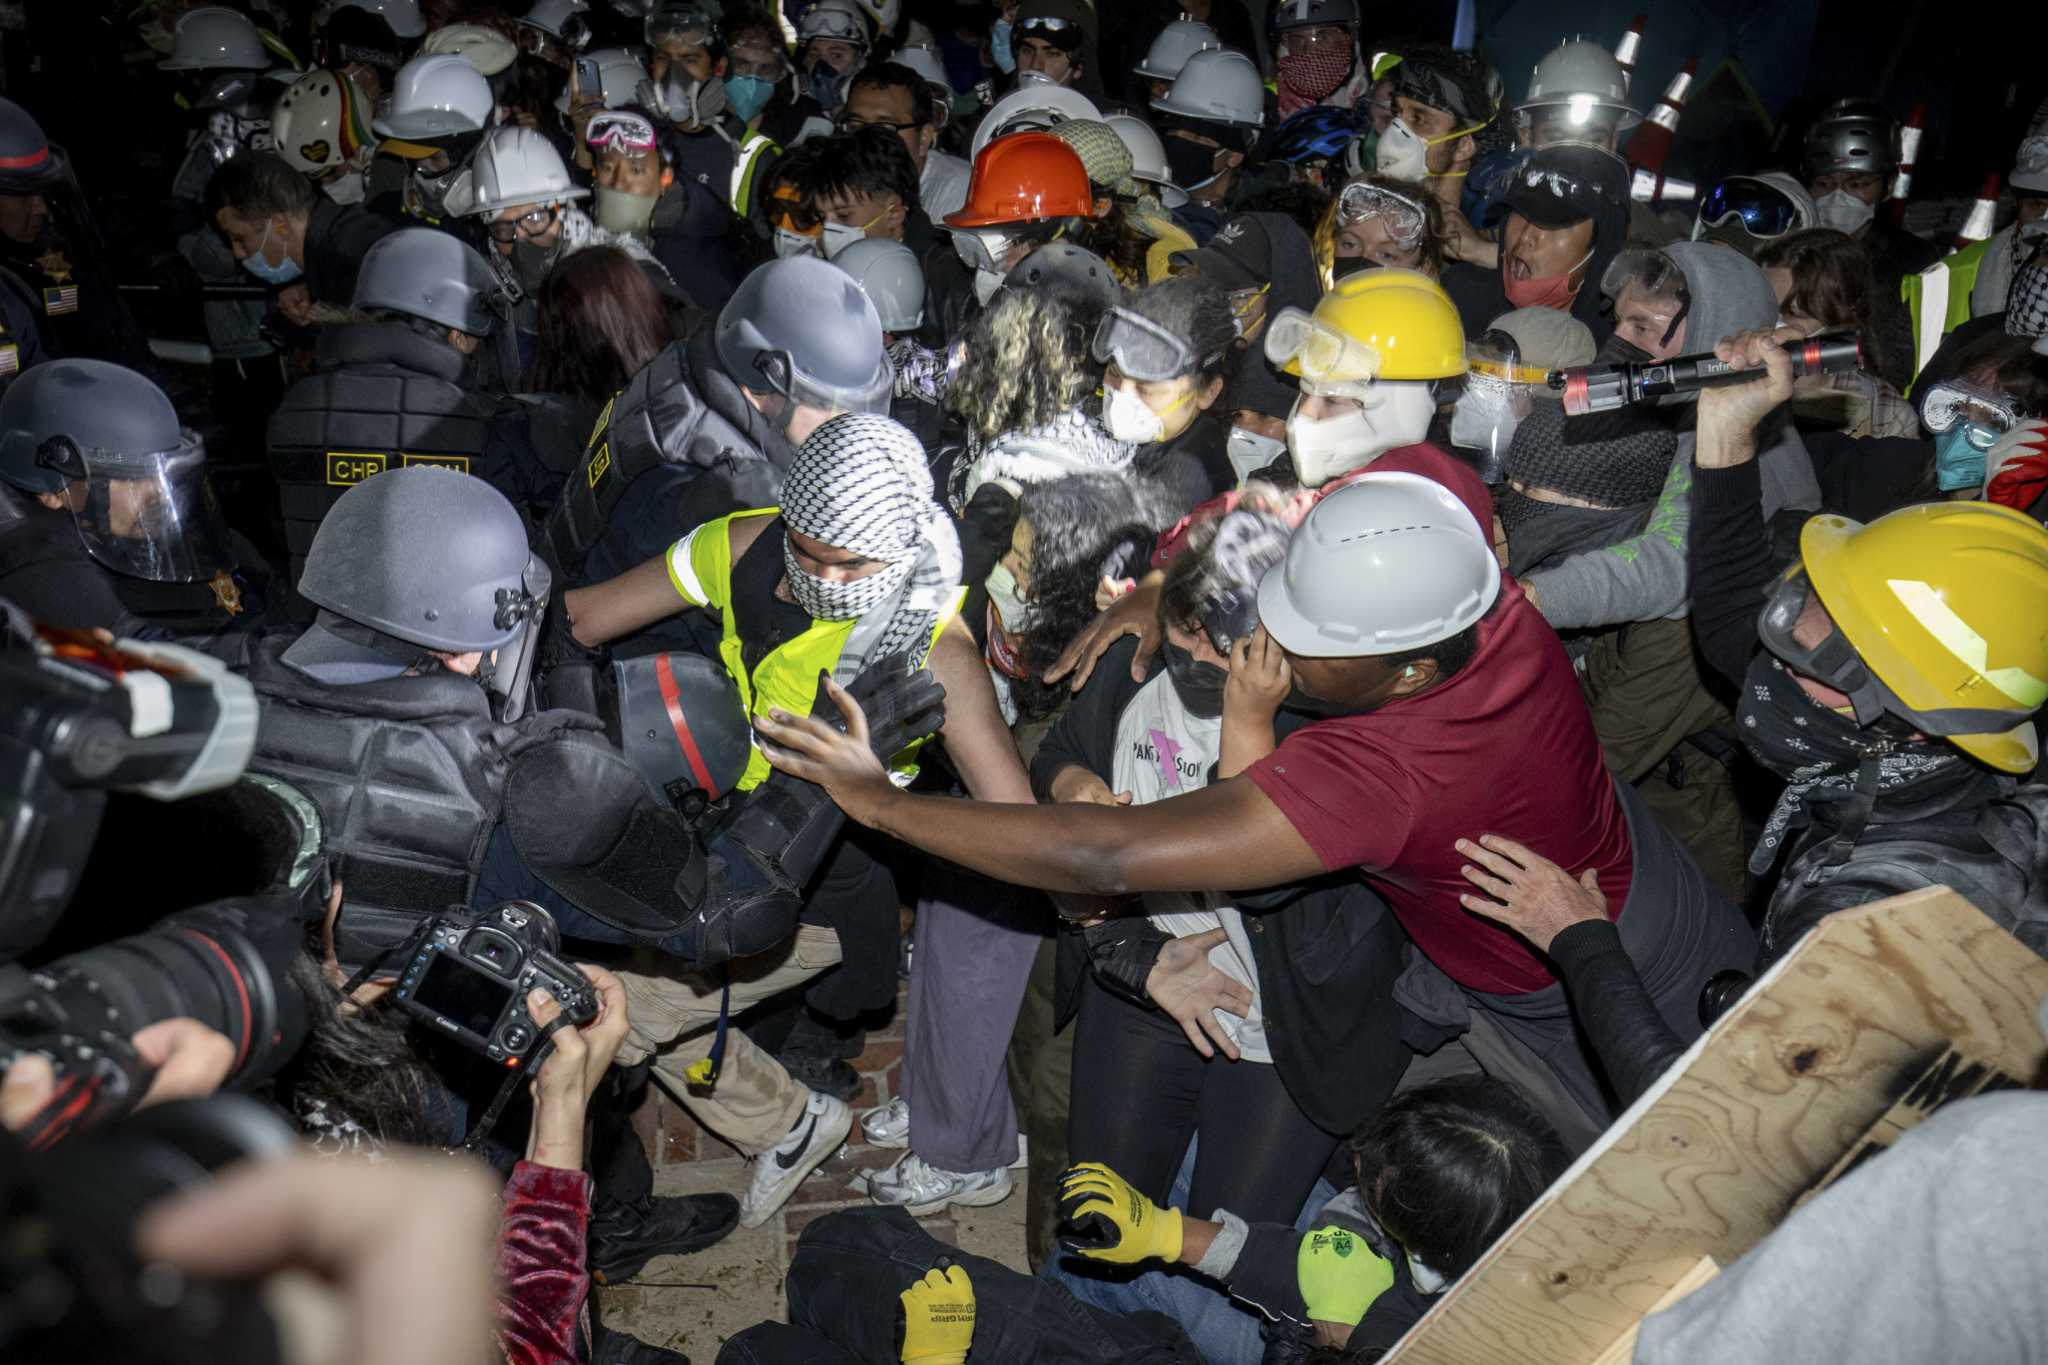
<point>1947,604</point>
<point>1375,324</point>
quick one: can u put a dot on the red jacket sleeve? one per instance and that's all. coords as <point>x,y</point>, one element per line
<point>542,1281</point>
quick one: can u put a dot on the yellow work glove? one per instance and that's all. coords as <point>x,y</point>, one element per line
<point>1103,1218</point>
<point>1339,1275</point>
<point>938,1318</point>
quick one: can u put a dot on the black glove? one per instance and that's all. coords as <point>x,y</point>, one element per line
<point>1122,952</point>
<point>902,707</point>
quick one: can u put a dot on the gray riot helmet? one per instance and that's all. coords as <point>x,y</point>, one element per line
<point>802,328</point>
<point>682,724</point>
<point>413,562</point>
<point>890,274</point>
<point>135,481</point>
<point>28,163</point>
<point>426,273</point>
<point>1852,135</point>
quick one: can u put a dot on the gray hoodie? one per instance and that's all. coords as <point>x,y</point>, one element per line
<point>1644,578</point>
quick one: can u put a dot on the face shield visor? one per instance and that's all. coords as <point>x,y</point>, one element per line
<point>1326,361</point>
<point>1401,215</point>
<point>1796,628</point>
<point>1497,394</point>
<point>782,376</point>
<point>1649,298</point>
<point>149,516</point>
<point>1140,348</point>
<point>509,677</point>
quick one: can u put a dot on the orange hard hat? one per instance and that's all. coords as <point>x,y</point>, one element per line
<point>1025,178</point>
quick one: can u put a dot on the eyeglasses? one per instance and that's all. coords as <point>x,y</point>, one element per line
<point>849,122</point>
<point>1765,210</point>
<point>530,224</point>
<point>620,130</point>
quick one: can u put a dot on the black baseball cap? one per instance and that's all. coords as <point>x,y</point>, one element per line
<point>1239,256</point>
<point>1559,186</point>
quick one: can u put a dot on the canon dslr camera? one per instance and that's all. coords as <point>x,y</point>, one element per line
<point>471,974</point>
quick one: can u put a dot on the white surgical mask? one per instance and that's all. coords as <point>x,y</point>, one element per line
<point>834,238</point>
<point>789,244</point>
<point>1427,1281</point>
<point>1397,414</point>
<point>986,282</point>
<point>1843,211</point>
<point>347,188</point>
<point>1249,452</point>
<point>1128,418</point>
<point>1004,597</point>
<point>1402,153</point>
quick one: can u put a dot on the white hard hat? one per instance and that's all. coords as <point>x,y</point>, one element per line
<point>438,95</point>
<point>1148,157</point>
<point>884,13</point>
<point>1387,563</point>
<point>488,50</point>
<point>619,74</point>
<point>517,165</point>
<point>1580,74</point>
<point>843,20</point>
<point>1217,86</point>
<point>927,65</point>
<point>889,274</point>
<point>2030,164</point>
<point>1177,42</point>
<point>216,39</point>
<point>403,15</point>
<point>1039,105</point>
<point>560,19</point>
<point>317,124</point>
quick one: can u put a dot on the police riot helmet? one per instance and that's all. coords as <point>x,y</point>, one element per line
<point>802,328</point>
<point>428,556</point>
<point>28,163</point>
<point>426,273</point>
<point>134,480</point>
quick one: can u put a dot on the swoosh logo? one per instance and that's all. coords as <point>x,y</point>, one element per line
<point>785,1161</point>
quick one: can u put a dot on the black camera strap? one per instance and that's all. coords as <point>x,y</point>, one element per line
<point>510,1086</point>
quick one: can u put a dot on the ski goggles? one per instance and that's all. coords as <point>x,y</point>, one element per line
<point>1765,210</point>
<point>620,130</point>
<point>1402,215</point>
<point>1318,353</point>
<point>1944,405</point>
<point>1140,348</point>
<point>1797,629</point>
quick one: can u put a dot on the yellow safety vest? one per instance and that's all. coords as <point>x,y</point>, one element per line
<point>747,157</point>
<point>700,569</point>
<point>1939,300</point>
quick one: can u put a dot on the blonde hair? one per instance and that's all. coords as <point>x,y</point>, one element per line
<point>1026,361</point>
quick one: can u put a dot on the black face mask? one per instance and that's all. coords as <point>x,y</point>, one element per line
<point>1192,163</point>
<point>1343,266</point>
<point>1199,685</point>
<point>1617,350</point>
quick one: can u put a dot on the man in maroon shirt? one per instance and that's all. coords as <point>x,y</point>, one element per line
<point>1450,708</point>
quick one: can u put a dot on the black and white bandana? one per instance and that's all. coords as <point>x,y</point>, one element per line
<point>861,483</point>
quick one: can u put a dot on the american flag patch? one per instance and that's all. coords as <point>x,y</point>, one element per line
<point>60,298</point>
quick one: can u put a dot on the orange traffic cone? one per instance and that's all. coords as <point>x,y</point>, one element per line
<point>1625,51</point>
<point>1651,143</point>
<point>1657,189</point>
<point>1983,213</point>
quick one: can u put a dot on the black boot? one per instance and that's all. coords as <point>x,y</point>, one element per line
<point>624,1237</point>
<point>816,1054</point>
<point>617,1348</point>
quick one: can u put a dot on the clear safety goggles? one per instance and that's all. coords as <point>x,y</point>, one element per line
<point>150,516</point>
<point>1661,295</point>
<point>1402,215</point>
<point>1942,406</point>
<point>529,225</point>
<point>834,25</point>
<point>1328,361</point>
<point>620,130</point>
<point>1765,210</point>
<point>693,26</point>
<point>1140,347</point>
<point>1796,628</point>
<point>983,248</point>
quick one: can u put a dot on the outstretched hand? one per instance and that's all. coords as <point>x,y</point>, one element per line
<point>842,762</point>
<point>1134,613</point>
<point>1526,891</point>
<point>1185,984</point>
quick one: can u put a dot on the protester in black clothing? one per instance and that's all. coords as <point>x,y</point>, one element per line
<point>285,232</point>
<point>1169,352</point>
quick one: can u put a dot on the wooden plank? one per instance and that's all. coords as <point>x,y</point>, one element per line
<point>1624,1348</point>
<point>1761,1107</point>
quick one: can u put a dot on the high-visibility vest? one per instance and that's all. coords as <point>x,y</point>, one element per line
<point>748,156</point>
<point>1939,300</point>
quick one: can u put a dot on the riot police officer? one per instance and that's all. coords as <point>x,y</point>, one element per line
<point>711,423</point>
<point>391,392</point>
<point>106,516</point>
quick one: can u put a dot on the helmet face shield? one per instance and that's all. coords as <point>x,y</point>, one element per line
<point>1327,361</point>
<point>1497,393</point>
<point>1140,348</point>
<point>1402,216</point>
<point>149,516</point>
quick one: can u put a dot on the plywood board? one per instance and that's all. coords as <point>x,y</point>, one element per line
<point>1762,1107</point>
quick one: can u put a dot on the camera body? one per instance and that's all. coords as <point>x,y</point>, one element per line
<point>471,973</point>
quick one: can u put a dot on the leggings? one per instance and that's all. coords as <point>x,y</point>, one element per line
<point>1141,1091</point>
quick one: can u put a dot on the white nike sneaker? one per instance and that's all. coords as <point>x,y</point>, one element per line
<point>819,1132</point>
<point>924,1190</point>
<point>888,1126</point>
